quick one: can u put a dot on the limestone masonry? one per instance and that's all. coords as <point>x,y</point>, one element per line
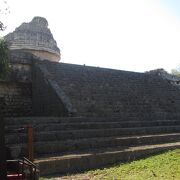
<point>35,37</point>
<point>83,117</point>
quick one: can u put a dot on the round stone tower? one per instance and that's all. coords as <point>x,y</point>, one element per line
<point>35,37</point>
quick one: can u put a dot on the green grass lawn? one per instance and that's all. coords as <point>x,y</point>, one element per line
<point>165,166</point>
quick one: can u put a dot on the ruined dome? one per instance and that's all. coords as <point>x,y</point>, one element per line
<point>35,37</point>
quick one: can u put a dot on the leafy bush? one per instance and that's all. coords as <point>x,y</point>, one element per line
<point>4,58</point>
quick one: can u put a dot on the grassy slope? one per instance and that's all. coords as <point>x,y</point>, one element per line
<point>165,166</point>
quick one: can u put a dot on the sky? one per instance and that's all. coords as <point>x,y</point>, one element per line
<point>133,35</point>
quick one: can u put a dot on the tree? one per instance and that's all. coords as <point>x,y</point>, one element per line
<point>2,148</point>
<point>4,67</point>
<point>4,58</point>
<point>4,51</point>
<point>176,71</point>
<point>4,10</point>
<point>1,26</point>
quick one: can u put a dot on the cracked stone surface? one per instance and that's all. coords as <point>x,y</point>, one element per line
<point>35,37</point>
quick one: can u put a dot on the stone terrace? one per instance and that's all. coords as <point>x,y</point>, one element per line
<point>119,116</point>
<point>97,91</point>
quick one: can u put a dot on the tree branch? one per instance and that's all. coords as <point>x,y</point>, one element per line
<point>1,26</point>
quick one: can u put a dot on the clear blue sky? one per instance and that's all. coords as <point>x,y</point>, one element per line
<point>172,5</point>
<point>135,35</point>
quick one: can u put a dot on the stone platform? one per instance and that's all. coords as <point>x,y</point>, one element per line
<point>64,145</point>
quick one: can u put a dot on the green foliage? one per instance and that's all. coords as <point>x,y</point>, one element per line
<point>176,72</point>
<point>4,58</point>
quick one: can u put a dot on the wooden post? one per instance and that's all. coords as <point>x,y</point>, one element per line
<point>30,143</point>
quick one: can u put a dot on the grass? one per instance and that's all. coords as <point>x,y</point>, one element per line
<point>165,166</point>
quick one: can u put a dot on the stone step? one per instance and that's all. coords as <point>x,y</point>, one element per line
<point>59,147</point>
<point>92,125</point>
<point>122,117</point>
<point>97,158</point>
<point>49,120</point>
<point>90,133</point>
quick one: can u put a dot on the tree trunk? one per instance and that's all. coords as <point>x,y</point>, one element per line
<point>2,146</point>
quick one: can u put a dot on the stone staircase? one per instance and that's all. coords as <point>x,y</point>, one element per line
<point>72,144</point>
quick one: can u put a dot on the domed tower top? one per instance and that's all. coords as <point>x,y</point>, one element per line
<point>35,37</point>
<point>40,20</point>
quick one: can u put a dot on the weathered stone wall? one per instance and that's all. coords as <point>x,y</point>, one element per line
<point>21,64</point>
<point>1,106</point>
<point>16,88</point>
<point>46,100</point>
<point>106,92</point>
<point>17,97</point>
<point>44,55</point>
